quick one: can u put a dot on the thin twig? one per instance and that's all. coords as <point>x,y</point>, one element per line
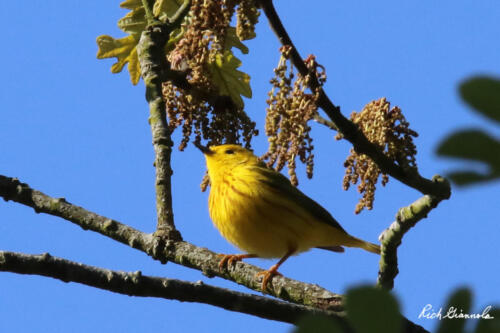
<point>390,239</point>
<point>136,284</point>
<point>347,128</point>
<point>183,10</point>
<point>328,123</point>
<point>148,9</point>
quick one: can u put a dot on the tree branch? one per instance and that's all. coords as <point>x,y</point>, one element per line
<point>154,67</point>
<point>390,239</point>
<point>347,128</point>
<point>182,253</point>
<point>136,284</point>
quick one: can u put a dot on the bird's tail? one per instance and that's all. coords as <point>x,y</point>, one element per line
<point>356,242</point>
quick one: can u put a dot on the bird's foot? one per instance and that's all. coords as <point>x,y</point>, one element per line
<point>230,259</point>
<point>267,276</point>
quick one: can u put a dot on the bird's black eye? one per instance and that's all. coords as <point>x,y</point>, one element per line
<point>229,151</point>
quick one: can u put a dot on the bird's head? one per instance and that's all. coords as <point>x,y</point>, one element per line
<point>222,159</point>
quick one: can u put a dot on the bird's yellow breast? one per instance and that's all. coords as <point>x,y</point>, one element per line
<point>258,220</point>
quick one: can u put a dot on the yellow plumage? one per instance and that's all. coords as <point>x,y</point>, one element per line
<point>262,213</point>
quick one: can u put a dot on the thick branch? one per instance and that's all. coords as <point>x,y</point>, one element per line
<point>182,253</point>
<point>390,239</point>
<point>136,284</point>
<point>347,128</point>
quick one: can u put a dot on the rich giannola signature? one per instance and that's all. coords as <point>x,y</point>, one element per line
<point>428,312</point>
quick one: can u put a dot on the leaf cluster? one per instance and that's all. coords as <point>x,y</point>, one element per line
<point>482,94</point>
<point>221,70</point>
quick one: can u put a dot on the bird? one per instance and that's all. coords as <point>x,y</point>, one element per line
<point>258,210</point>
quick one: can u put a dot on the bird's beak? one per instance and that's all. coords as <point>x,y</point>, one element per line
<point>205,150</point>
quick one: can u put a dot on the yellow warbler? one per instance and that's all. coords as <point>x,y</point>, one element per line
<point>259,211</point>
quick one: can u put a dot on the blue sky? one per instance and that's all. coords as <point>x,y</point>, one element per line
<point>70,128</point>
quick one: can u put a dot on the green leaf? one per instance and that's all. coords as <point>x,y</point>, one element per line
<point>124,50</point>
<point>233,40</point>
<point>471,144</point>
<point>371,310</point>
<point>459,302</point>
<point>474,145</point>
<point>166,8</point>
<point>489,325</point>
<point>317,324</point>
<point>229,80</point>
<point>131,4</point>
<point>463,178</point>
<point>134,22</point>
<point>134,67</point>
<point>483,94</point>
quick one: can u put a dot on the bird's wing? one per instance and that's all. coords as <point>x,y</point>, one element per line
<point>280,184</point>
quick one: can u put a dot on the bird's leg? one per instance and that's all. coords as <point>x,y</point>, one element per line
<point>229,259</point>
<point>267,275</point>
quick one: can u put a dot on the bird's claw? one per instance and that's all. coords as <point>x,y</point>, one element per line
<point>229,259</point>
<point>266,277</point>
